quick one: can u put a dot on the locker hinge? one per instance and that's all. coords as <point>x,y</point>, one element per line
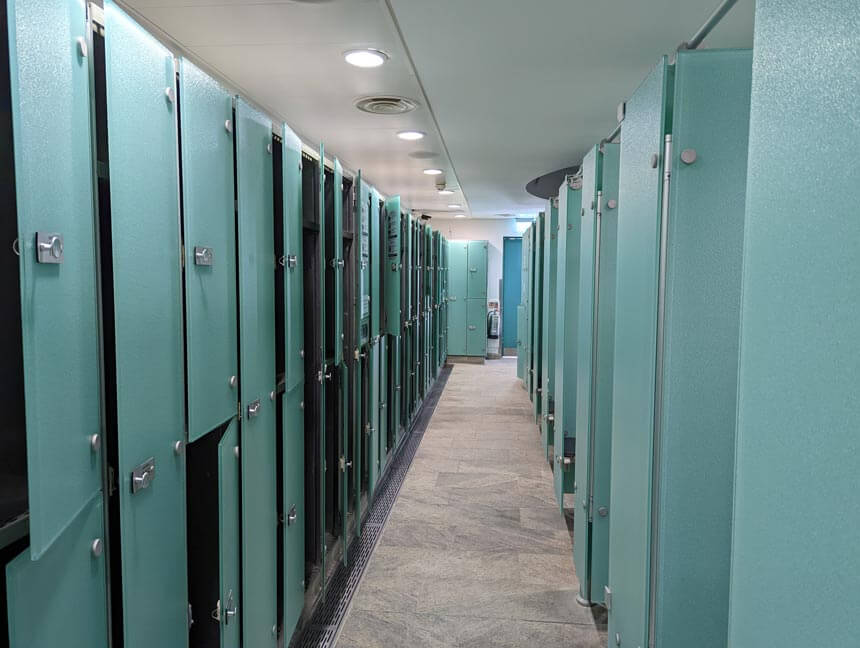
<point>182,255</point>
<point>590,508</point>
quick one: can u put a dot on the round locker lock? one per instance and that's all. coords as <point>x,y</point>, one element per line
<point>302,405</point>
<point>617,638</point>
<point>178,447</point>
<point>688,156</point>
<point>228,126</point>
<point>269,148</point>
<point>170,94</point>
<point>272,395</point>
<point>233,381</point>
<point>236,451</point>
<point>603,511</point>
<point>82,47</point>
<point>612,203</point>
<point>95,442</point>
<point>97,547</point>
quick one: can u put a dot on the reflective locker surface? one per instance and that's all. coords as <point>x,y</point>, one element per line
<point>147,318</point>
<point>550,326</point>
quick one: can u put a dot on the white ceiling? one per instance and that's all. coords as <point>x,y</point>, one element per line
<point>518,87</point>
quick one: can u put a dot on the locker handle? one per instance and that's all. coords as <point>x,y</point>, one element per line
<point>473,269</point>
<point>292,515</point>
<point>254,409</point>
<point>472,328</point>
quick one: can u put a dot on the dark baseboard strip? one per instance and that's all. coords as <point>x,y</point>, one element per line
<point>324,624</point>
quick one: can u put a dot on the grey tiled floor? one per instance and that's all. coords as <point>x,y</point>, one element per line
<point>475,552</point>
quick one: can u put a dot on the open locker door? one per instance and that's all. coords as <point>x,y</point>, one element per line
<point>57,262</point>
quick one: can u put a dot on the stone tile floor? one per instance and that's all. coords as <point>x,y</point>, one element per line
<point>476,551</point>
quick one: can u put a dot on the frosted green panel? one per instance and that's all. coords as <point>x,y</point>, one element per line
<point>59,307</point>
<point>337,263</point>
<point>566,289</point>
<point>477,277</point>
<point>294,508</point>
<point>60,599</point>
<point>700,358</point>
<point>549,324</point>
<point>257,344</point>
<point>294,317</point>
<point>147,295</point>
<point>520,354</point>
<point>635,355</point>
<point>229,536</point>
<point>210,228</point>
<point>391,265</point>
<point>797,515</point>
<point>457,327</point>
<point>476,327</point>
<point>537,314</point>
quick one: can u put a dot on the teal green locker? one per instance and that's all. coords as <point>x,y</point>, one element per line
<point>324,371</point>
<point>392,266</point>
<point>537,315</point>
<point>457,318</point>
<point>377,265</point>
<point>476,327</point>
<point>294,318</point>
<point>476,283</point>
<point>596,333</point>
<point>520,353</point>
<point>230,538</point>
<point>458,259</point>
<point>210,251</point>
<point>566,290</point>
<point>382,404</point>
<point>336,262</point>
<point>683,394</point>
<point>796,514</point>
<point>147,317</point>
<point>60,599</point>
<point>550,326</point>
<point>524,332</point>
<point>59,302</point>
<point>293,460</point>
<point>254,183</point>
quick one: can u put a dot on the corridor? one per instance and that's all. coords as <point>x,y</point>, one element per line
<point>475,551</point>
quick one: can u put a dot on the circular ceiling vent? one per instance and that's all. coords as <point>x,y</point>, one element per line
<point>386,105</point>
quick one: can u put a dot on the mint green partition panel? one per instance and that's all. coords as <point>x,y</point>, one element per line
<point>537,315</point>
<point>60,599</point>
<point>59,303</point>
<point>147,294</point>
<point>458,259</point>
<point>566,289</point>
<point>254,183</point>
<point>476,279</point>
<point>639,195</point>
<point>230,537</point>
<point>210,251</point>
<point>695,297</point>
<point>796,512</point>
<point>392,266</point>
<point>550,325</point>
<point>596,337</point>
<point>293,461</point>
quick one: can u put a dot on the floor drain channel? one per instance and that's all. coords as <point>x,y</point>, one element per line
<point>322,628</point>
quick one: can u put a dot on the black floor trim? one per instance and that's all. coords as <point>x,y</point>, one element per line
<point>330,613</point>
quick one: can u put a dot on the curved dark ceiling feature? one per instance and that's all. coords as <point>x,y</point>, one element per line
<point>546,186</point>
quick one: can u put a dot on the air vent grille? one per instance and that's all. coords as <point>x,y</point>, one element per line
<point>386,105</point>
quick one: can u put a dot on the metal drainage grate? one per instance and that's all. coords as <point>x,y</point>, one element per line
<point>322,628</point>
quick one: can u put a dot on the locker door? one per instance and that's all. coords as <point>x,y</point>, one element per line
<point>566,312</point>
<point>476,327</point>
<point>149,367</point>
<point>457,327</point>
<point>520,352</point>
<point>392,266</point>
<point>477,270</point>
<point>294,317</point>
<point>458,272</point>
<point>210,251</point>
<point>60,599</point>
<point>58,300</point>
<point>585,344</point>
<point>550,250</point>
<point>642,136</point>
<point>336,264</point>
<point>324,371</point>
<point>257,367</point>
<point>230,536</point>
<point>293,431</point>
<point>376,298</point>
<point>538,315</point>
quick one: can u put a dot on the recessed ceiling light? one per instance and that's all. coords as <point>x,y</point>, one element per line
<point>459,215</point>
<point>454,206</point>
<point>365,58</point>
<point>410,135</point>
<point>432,171</point>
<point>445,192</point>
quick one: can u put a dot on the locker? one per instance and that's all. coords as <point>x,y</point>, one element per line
<point>377,265</point>
<point>538,314</point>
<point>210,251</point>
<point>457,328</point>
<point>60,599</point>
<point>594,357</point>
<point>293,460</point>
<point>146,321</point>
<point>550,328</point>
<point>230,538</point>
<point>566,313</point>
<point>59,303</point>
<point>476,332</point>
<point>676,346</point>
<point>336,263</point>
<point>477,264</point>
<point>393,266</point>
<point>520,348</point>
<point>797,452</point>
<point>255,200</point>
<point>524,332</point>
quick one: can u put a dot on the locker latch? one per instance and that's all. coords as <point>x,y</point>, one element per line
<point>254,409</point>
<point>49,248</point>
<point>142,475</point>
<point>292,515</point>
<point>291,261</point>
<point>203,256</point>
